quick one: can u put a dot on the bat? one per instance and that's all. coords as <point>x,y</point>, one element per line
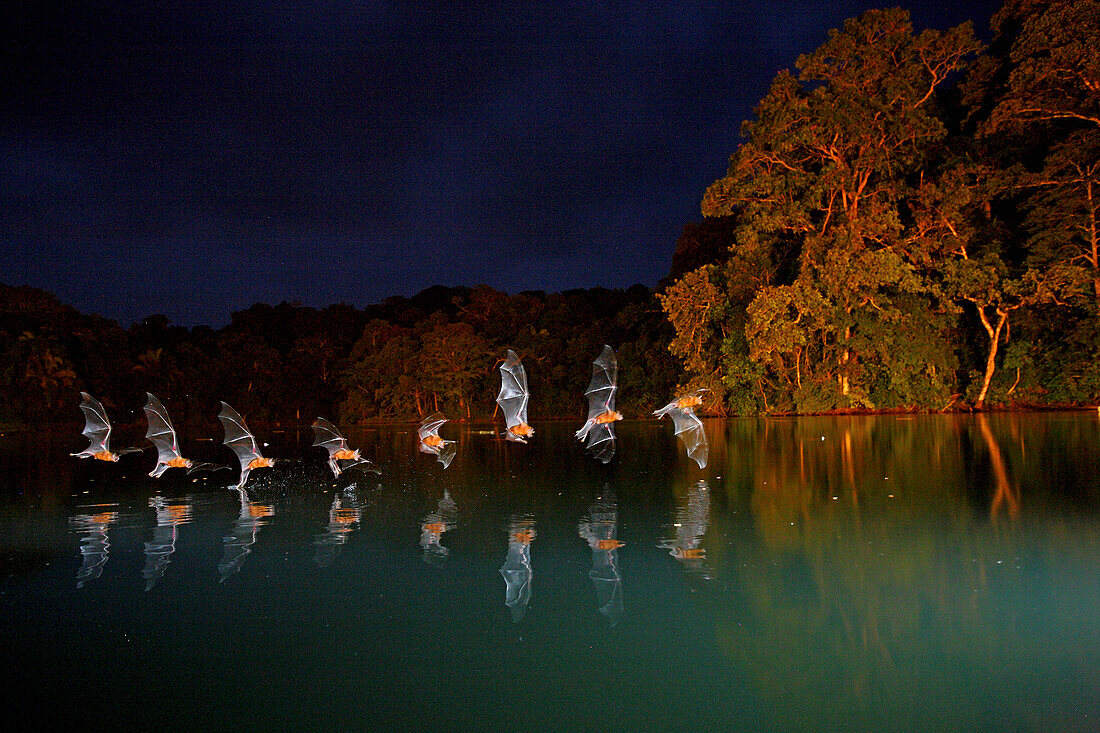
<point>430,442</point>
<point>97,429</point>
<point>513,399</point>
<point>443,519</point>
<point>599,530</point>
<point>601,390</point>
<point>239,439</point>
<point>689,428</point>
<point>161,434</point>
<point>325,435</point>
<point>517,569</point>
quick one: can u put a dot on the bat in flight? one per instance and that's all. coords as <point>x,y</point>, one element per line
<point>239,439</point>
<point>161,434</point>
<point>689,428</point>
<point>340,457</point>
<point>598,429</point>
<point>97,429</point>
<point>513,398</point>
<point>430,442</point>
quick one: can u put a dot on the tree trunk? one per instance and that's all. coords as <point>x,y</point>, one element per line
<point>994,342</point>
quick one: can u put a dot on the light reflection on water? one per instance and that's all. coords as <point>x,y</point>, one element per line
<point>821,573</point>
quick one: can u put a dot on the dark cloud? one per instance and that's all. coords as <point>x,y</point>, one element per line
<point>194,158</point>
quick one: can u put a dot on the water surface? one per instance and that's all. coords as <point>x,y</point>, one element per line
<point>928,572</point>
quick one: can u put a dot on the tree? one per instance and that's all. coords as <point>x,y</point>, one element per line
<point>823,189</point>
<point>1034,108</point>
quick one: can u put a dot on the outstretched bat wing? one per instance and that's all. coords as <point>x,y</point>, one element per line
<point>97,429</point>
<point>430,425</point>
<point>689,429</point>
<point>602,387</point>
<point>447,452</point>
<point>238,438</point>
<point>514,393</point>
<point>325,435</point>
<point>358,464</point>
<point>160,432</point>
<point>601,441</point>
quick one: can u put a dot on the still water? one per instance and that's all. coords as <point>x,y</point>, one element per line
<point>929,573</point>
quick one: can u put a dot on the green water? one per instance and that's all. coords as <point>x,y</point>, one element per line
<point>908,573</point>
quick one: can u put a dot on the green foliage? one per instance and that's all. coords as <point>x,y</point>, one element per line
<point>887,239</point>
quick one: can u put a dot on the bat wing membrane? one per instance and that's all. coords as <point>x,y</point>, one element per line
<point>160,431</point>
<point>689,429</point>
<point>325,435</point>
<point>602,387</point>
<point>514,394</point>
<point>97,428</point>
<point>238,438</point>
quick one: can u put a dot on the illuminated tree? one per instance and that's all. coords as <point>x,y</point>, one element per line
<point>822,189</point>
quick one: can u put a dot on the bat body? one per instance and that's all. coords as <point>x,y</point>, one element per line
<point>97,429</point>
<point>239,439</point>
<point>161,434</point>
<point>513,398</point>
<point>598,430</point>
<point>340,456</point>
<point>430,442</point>
<point>689,428</point>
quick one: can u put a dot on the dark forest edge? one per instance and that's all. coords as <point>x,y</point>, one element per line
<point>395,361</point>
<point>912,223</point>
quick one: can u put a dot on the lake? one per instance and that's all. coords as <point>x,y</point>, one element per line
<point>884,572</point>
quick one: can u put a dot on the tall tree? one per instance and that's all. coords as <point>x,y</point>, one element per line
<point>822,188</point>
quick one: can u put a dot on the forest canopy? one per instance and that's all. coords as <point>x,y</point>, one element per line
<point>910,223</point>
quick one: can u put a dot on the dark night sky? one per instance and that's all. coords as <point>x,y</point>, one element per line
<point>194,158</point>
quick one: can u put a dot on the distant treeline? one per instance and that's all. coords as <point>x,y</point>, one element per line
<point>398,360</point>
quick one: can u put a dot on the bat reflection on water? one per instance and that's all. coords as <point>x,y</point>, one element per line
<point>599,530</point>
<point>97,429</point>
<point>239,439</point>
<point>601,390</point>
<point>431,443</point>
<point>689,428</point>
<point>513,398</point>
<point>161,434</point>
<point>432,528</point>
<point>517,570</point>
<point>340,457</point>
